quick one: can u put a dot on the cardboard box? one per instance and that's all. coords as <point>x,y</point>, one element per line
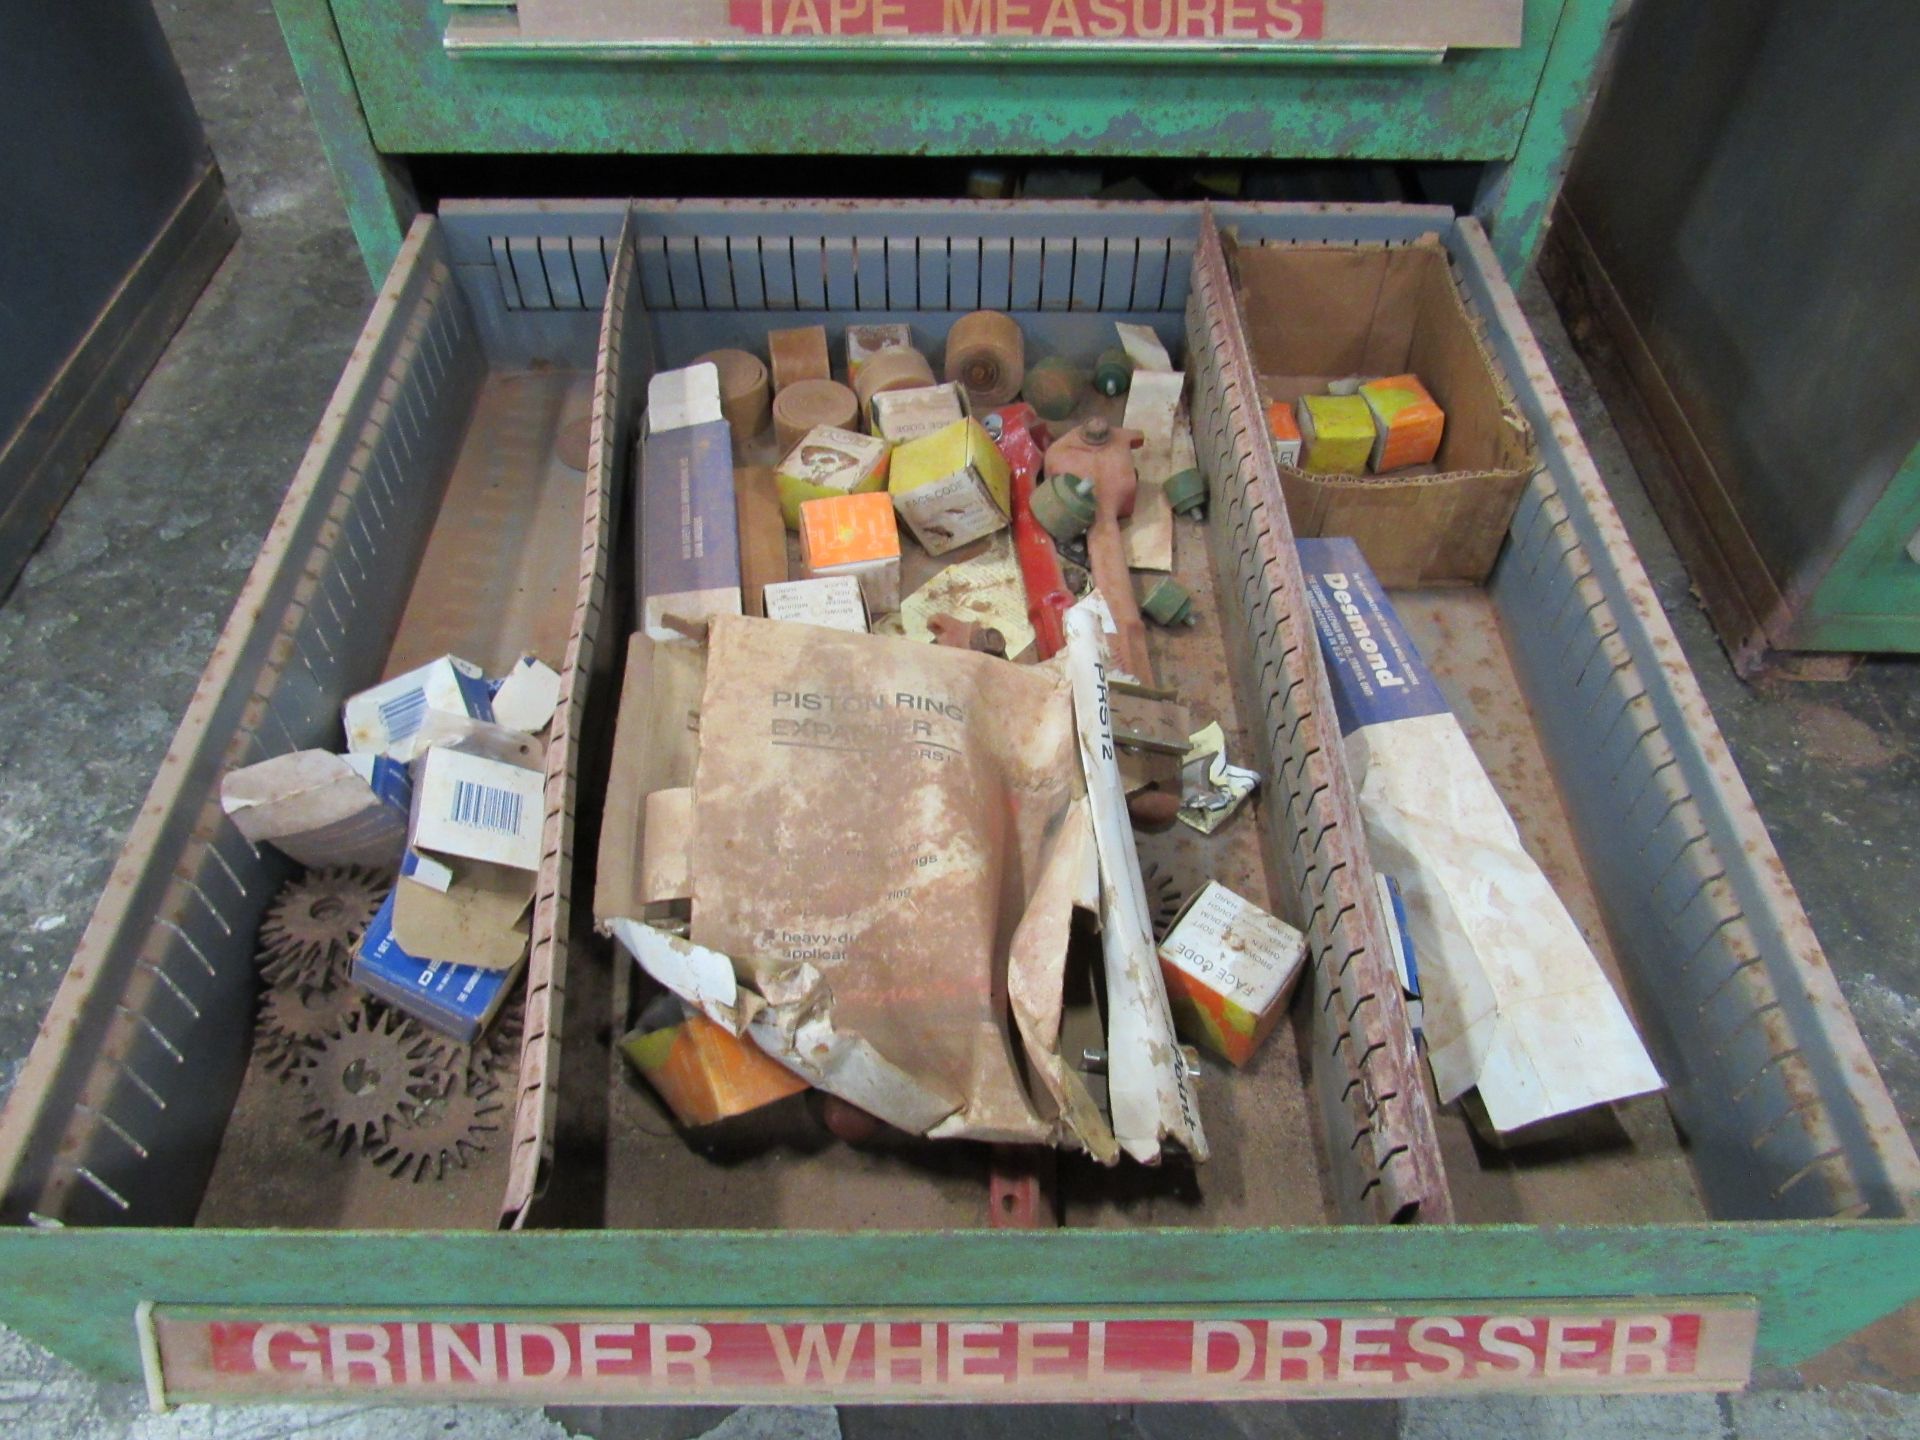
<point>527,697</point>
<point>834,601</point>
<point>1230,968</point>
<point>323,809</point>
<point>951,487</point>
<point>688,537</point>
<point>1284,431</point>
<point>678,399</point>
<point>703,1074</point>
<point>903,415</point>
<point>479,808</point>
<point>830,462</point>
<point>1407,423</point>
<point>386,719</point>
<point>1515,1005</point>
<point>854,535</point>
<point>1336,434</point>
<point>866,341</point>
<point>459,1001</point>
<point>1317,313</point>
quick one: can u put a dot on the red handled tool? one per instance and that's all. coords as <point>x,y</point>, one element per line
<point>1022,437</point>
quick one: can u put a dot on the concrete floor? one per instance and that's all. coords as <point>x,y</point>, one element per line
<point>114,617</point>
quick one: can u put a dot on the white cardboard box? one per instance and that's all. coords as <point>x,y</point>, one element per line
<point>386,719</point>
<point>467,805</point>
<point>834,601</point>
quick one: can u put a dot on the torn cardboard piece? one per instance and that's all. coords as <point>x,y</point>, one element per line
<point>323,809</point>
<point>1153,408</point>
<point>479,737</point>
<point>1149,1094</point>
<point>986,590</point>
<point>1143,347</point>
<point>462,912</point>
<point>656,737</point>
<point>1515,1004</point>
<point>666,873</point>
<point>526,698</point>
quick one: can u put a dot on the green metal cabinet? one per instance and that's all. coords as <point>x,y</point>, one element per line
<point>1761,322</point>
<point>386,91</point>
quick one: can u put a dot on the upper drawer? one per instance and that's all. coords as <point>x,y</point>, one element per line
<point>438,78</point>
<point>987,31</point>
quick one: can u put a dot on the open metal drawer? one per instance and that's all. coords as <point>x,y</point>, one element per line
<point>1786,1197</point>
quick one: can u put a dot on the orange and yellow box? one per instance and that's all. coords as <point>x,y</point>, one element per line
<point>706,1075</point>
<point>1229,968</point>
<point>854,535</point>
<point>1408,422</point>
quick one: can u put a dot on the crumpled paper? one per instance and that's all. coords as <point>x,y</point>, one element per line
<point>1211,790</point>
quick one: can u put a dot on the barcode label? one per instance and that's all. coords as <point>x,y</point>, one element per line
<point>486,807</point>
<point>403,713</point>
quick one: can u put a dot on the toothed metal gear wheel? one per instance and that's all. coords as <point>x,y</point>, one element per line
<point>294,1020</point>
<point>495,1053</point>
<point>1163,898</point>
<point>443,1132</point>
<point>315,922</point>
<point>359,1079</point>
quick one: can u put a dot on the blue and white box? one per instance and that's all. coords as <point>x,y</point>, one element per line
<point>1514,1002</point>
<point>687,542</point>
<point>459,1001</point>
<point>386,719</point>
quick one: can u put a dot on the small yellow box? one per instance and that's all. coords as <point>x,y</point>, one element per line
<point>854,535</point>
<point>829,462</point>
<point>1337,433</point>
<point>951,486</point>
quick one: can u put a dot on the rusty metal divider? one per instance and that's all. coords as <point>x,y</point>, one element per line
<point>622,361</point>
<point>1382,1149</point>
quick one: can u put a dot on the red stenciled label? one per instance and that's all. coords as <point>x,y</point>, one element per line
<point>906,1358</point>
<point>1265,21</point>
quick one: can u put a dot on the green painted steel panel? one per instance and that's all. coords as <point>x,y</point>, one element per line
<point>1472,106</point>
<point>1516,205</point>
<point>75,1290</point>
<point>1869,599</point>
<point>379,208</point>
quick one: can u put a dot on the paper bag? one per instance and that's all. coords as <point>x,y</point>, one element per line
<point>887,841</point>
